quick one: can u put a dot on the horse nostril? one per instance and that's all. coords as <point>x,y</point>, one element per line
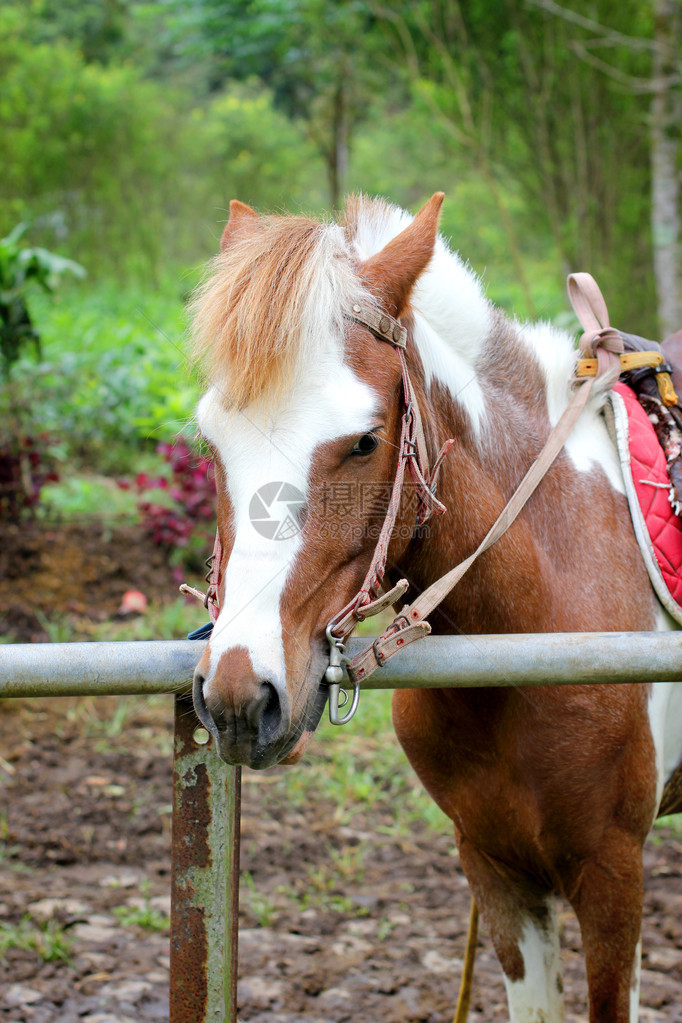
<point>272,713</point>
<point>200,708</point>
<point>265,713</point>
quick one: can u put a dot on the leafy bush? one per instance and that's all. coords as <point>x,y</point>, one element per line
<point>111,383</point>
<point>129,171</point>
<point>19,268</point>
<point>177,519</point>
<point>27,457</point>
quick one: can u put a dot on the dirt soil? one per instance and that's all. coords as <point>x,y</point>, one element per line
<point>76,572</point>
<point>341,919</point>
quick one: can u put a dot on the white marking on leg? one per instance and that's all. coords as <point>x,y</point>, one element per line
<point>538,998</point>
<point>634,988</point>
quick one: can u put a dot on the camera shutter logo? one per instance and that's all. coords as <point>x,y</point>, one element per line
<point>275,510</point>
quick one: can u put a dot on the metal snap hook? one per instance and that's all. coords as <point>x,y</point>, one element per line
<point>334,692</point>
<point>334,676</point>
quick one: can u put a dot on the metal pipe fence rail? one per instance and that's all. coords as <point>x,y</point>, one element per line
<point>206,793</point>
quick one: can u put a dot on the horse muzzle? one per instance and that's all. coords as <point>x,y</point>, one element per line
<point>249,717</point>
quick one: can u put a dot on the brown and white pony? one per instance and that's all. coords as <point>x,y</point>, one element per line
<point>551,789</point>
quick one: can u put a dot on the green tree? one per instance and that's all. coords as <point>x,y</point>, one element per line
<point>324,60</point>
<point>126,169</point>
<point>504,82</point>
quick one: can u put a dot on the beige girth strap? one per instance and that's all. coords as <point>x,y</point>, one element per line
<point>600,340</point>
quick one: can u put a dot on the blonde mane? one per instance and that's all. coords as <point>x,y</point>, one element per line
<point>271,303</point>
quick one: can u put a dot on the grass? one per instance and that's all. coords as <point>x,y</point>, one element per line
<point>142,914</point>
<point>673,822</point>
<point>48,940</point>
<point>257,904</point>
<point>173,620</point>
<point>362,770</point>
<point>165,621</point>
<point>146,917</point>
<point>9,858</point>
<point>89,495</point>
<point>122,724</point>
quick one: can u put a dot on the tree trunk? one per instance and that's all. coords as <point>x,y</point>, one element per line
<point>337,156</point>
<point>666,110</point>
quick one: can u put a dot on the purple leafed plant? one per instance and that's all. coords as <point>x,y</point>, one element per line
<point>184,515</point>
<point>27,463</point>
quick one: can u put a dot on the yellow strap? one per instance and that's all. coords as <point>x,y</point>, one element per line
<point>636,360</point>
<point>628,361</point>
<point>666,389</point>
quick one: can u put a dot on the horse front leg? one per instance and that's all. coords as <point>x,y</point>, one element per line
<point>522,923</point>
<point>608,903</point>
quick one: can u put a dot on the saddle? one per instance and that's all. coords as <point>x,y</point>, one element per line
<point>644,417</point>
<point>645,421</point>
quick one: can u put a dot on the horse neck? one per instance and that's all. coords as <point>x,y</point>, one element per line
<point>477,478</point>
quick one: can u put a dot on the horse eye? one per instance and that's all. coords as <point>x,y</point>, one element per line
<point>366,445</point>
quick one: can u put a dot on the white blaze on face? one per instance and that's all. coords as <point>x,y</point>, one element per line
<point>257,448</point>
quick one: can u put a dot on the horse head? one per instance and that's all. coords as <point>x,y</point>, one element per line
<point>302,413</point>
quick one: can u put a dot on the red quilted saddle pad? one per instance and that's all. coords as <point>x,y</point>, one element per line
<point>651,484</point>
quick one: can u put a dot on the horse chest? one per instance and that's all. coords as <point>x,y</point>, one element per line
<point>516,770</point>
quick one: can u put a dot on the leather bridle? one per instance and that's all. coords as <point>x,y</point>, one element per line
<point>600,344</point>
<point>413,457</point>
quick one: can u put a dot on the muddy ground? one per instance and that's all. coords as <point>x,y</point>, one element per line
<point>342,918</point>
<point>74,573</point>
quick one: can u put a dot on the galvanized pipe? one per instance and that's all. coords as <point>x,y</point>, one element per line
<point>80,669</point>
<point>205,860</point>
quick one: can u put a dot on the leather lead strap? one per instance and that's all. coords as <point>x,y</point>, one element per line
<point>600,340</point>
<point>412,617</point>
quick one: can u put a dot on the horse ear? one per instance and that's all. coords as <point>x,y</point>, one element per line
<point>393,272</point>
<point>242,220</point>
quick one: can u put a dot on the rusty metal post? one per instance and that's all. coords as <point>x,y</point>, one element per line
<point>205,877</point>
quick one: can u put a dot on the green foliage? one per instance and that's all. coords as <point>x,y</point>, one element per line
<point>170,621</point>
<point>127,170</point>
<point>252,151</point>
<point>85,494</point>
<point>470,217</point>
<point>144,916</point>
<point>19,268</point>
<point>112,381</point>
<point>363,770</point>
<point>323,60</point>
<point>556,103</point>
<point>82,142</point>
<point>255,902</point>
<point>673,821</point>
<point>27,456</point>
<point>48,940</point>
<point>126,127</point>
